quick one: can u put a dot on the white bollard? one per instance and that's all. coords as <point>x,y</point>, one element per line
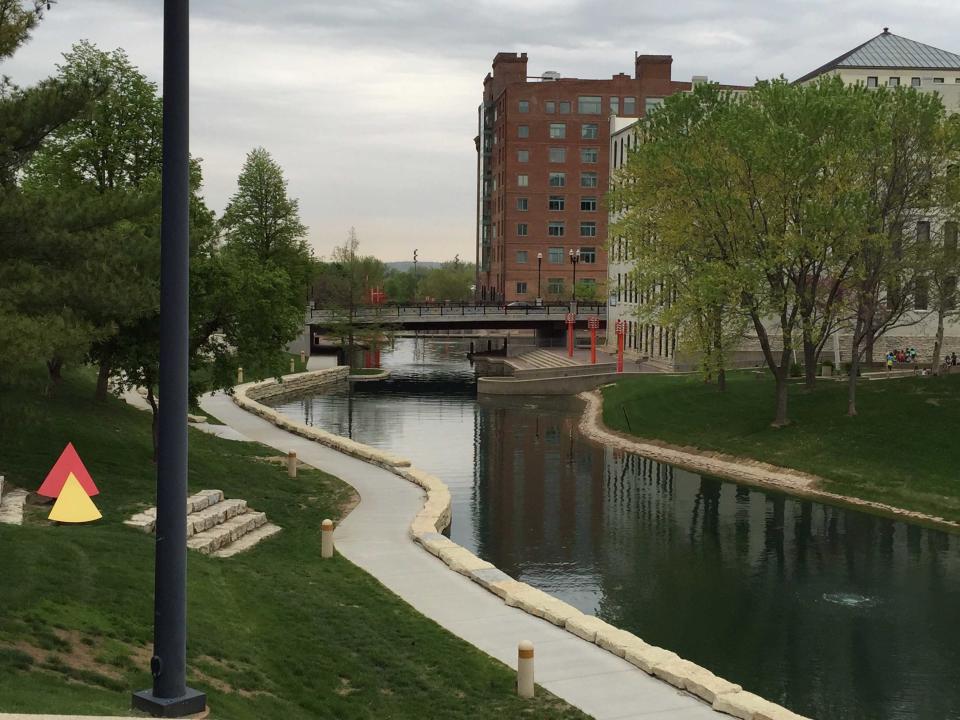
<point>293,367</point>
<point>525,669</point>
<point>303,357</point>
<point>239,376</point>
<point>291,464</point>
<point>326,539</point>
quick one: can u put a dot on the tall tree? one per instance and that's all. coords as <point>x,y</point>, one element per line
<point>30,263</point>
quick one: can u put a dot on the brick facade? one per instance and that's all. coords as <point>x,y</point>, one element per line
<point>511,101</point>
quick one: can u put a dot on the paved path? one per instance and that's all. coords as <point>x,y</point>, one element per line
<point>374,537</point>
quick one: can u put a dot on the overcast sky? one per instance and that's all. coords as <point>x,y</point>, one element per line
<point>370,105</point>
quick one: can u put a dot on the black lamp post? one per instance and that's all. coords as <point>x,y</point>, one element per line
<point>170,696</point>
<point>574,259</point>
<point>539,263</point>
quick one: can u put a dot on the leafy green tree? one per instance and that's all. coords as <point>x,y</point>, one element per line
<point>451,281</point>
<point>400,286</point>
<point>31,260</point>
<point>108,160</point>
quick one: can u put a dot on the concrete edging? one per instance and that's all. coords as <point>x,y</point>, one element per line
<point>435,516</point>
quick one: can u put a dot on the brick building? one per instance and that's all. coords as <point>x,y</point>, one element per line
<point>542,171</point>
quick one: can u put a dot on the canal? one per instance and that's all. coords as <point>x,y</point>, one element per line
<point>836,614</point>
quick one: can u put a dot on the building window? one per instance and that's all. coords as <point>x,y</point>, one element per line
<point>521,288</point>
<point>588,105</point>
<point>588,204</point>
<point>938,81</point>
<point>522,256</point>
<point>589,179</point>
<point>524,106</point>
<point>550,107</point>
<point>558,130</point>
<point>588,254</point>
<point>523,131</point>
<point>523,180</point>
<point>564,107</point>
<point>555,228</point>
<point>588,228</point>
<point>558,155</point>
<point>523,155</point>
<point>589,131</point>
<point>523,204</point>
<point>556,202</point>
<point>893,82</point>
<point>555,286</point>
<point>871,82</point>
<point>589,155</point>
<point>615,105</point>
<point>558,179</point>
<point>521,229</point>
<point>555,256</point>
<point>651,104</point>
<point>914,82</point>
<point>629,106</point>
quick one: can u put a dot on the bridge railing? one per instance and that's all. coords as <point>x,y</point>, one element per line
<point>398,311</point>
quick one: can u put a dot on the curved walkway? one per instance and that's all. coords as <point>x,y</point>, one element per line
<point>375,536</point>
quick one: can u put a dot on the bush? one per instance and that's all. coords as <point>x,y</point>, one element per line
<point>846,369</point>
<point>796,370</point>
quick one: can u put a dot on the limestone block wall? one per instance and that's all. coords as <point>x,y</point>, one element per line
<point>297,383</point>
<point>434,518</point>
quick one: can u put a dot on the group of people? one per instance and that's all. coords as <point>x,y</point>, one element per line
<point>909,356</point>
<point>901,357</point>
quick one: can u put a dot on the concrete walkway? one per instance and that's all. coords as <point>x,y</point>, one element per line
<point>375,537</point>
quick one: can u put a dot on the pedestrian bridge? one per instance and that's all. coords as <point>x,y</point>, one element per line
<point>463,316</point>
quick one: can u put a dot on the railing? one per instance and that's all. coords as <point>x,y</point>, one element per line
<point>386,312</point>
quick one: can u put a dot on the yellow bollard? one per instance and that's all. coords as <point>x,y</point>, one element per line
<point>291,464</point>
<point>303,357</point>
<point>239,376</point>
<point>326,539</point>
<point>293,368</point>
<point>525,669</point>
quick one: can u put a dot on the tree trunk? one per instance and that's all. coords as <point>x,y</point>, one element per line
<point>55,369</point>
<point>103,381</point>
<point>809,360</point>
<point>868,351</point>
<point>938,345</point>
<point>721,379</point>
<point>155,425</point>
<point>854,368</point>
<point>718,351</point>
<point>781,419</point>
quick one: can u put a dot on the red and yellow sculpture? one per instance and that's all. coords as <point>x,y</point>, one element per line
<point>69,482</point>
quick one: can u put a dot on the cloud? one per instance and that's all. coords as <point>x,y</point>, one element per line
<point>371,107</point>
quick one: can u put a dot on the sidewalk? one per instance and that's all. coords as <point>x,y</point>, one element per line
<point>375,537</point>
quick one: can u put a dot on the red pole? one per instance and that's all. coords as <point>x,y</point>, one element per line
<point>376,357</point>
<point>593,346</point>
<point>619,352</point>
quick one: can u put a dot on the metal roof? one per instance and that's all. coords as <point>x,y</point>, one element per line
<point>887,50</point>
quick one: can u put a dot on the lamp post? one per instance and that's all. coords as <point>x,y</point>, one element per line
<point>539,263</point>
<point>574,259</point>
<point>170,696</point>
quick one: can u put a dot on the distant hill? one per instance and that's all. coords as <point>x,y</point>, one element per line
<point>404,265</point>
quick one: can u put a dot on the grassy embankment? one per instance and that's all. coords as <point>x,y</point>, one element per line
<point>274,633</point>
<point>901,449</point>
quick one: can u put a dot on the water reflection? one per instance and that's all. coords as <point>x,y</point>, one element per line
<point>834,613</point>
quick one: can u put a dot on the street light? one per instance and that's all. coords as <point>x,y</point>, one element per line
<point>574,259</point>
<point>539,263</point>
<point>170,696</point>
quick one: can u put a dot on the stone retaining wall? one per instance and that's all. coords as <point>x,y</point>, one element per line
<point>297,383</point>
<point>434,518</point>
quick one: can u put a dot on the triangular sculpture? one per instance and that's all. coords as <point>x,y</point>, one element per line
<point>69,463</point>
<point>73,505</point>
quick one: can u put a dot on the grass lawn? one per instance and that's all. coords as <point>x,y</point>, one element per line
<point>902,448</point>
<point>274,632</point>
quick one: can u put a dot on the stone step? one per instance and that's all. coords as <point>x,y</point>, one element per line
<point>11,506</point>
<point>211,540</point>
<point>196,503</point>
<point>216,514</point>
<point>247,541</point>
